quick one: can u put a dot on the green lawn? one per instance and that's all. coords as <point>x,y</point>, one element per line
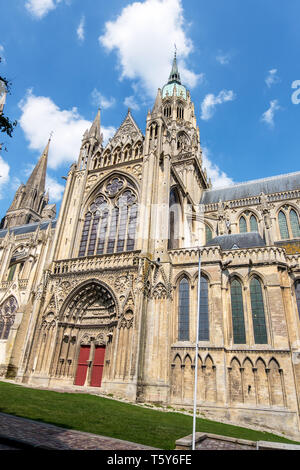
<point>99,415</point>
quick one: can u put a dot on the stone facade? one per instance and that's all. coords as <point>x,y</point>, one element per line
<point>107,295</point>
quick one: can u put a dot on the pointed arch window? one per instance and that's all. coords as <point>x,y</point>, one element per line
<point>110,222</point>
<point>283,227</point>
<point>294,219</point>
<point>297,292</point>
<point>288,221</point>
<point>184,310</point>
<point>243,225</point>
<point>237,311</point>
<point>208,234</point>
<point>248,223</point>
<point>174,220</point>
<point>253,224</point>
<point>203,313</point>
<point>258,312</point>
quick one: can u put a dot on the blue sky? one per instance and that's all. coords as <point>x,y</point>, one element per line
<point>67,57</point>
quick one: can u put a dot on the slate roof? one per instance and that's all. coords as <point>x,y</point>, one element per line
<point>28,228</point>
<point>274,184</point>
<point>238,240</point>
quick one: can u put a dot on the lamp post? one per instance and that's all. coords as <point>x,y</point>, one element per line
<point>196,357</point>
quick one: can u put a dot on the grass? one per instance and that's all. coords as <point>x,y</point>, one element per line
<point>108,417</point>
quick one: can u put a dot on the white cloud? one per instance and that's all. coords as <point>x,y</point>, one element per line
<point>218,177</point>
<point>144,35</point>
<point>40,8</point>
<point>80,29</point>
<point>4,175</point>
<point>210,101</point>
<point>223,58</point>
<point>40,115</point>
<point>101,101</point>
<point>130,102</point>
<point>55,189</point>
<point>272,78</point>
<point>268,116</point>
<point>2,54</point>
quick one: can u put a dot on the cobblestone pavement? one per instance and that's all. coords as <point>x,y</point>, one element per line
<point>54,437</point>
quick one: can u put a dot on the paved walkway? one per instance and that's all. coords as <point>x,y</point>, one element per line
<point>54,437</point>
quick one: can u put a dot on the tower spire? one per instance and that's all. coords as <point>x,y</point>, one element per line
<point>95,128</point>
<point>174,75</point>
<point>37,179</point>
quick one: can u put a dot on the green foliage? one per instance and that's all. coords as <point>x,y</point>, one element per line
<point>107,417</point>
<point>6,125</point>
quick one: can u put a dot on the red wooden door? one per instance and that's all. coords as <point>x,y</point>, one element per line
<point>98,365</point>
<point>82,367</point>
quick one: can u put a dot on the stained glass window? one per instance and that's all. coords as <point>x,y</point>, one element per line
<point>204,313</point>
<point>295,223</point>
<point>253,224</point>
<point>110,220</point>
<point>258,312</point>
<point>237,309</point>
<point>184,311</point>
<point>243,225</point>
<point>284,231</point>
<point>208,233</point>
<point>297,292</point>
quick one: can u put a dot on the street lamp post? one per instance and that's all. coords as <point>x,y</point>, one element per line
<point>196,356</point>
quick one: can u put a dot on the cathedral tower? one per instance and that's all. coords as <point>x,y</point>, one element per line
<point>30,203</point>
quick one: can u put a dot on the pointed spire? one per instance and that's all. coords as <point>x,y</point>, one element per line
<point>2,102</point>
<point>37,179</point>
<point>158,101</point>
<point>95,128</point>
<point>174,75</point>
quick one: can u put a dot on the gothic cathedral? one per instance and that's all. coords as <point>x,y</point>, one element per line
<point>105,296</point>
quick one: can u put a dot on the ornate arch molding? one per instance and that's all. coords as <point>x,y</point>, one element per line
<point>85,295</point>
<point>237,276</point>
<point>8,310</point>
<point>88,199</point>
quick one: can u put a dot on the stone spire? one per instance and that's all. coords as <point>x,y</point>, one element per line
<point>30,200</point>
<point>174,75</point>
<point>96,126</point>
<point>37,179</point>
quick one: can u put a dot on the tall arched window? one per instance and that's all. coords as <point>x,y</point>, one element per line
<point>184,310</point>
<point>110,221</point>
<point>237,311</point>
<point>294,219</point>
<point>204,313</point>
<point>297,292</point>
<point>248,222</point>
<point>208,234</point>
<point>258,312</point>
<point>253,224</point>
<point>243,225</point>
<point>284,231</point>
<point>174,220</point>
<point>288,221</point>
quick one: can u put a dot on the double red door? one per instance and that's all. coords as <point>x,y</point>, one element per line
<point>98,364</point>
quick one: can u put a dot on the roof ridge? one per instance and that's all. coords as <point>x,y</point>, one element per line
<point>268,178</point>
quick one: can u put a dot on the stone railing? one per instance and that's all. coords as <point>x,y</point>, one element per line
<point>246,256</point>
<point>95,263</point>
<point>191,255</point>
<point>23,283</point>
<point>262,255</point>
